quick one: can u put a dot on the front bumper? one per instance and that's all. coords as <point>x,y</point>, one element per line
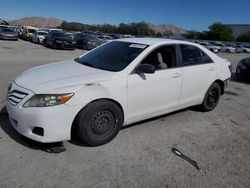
<point>55,122</point>
<point>9,37</point>
<point>66,45</point>
<point>41,40</point>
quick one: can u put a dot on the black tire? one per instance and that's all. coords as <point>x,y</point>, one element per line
<point>227,50</point>
<point>38,41</point>
<point>85,46</point>
<point>45,43</point>
<point>99,122</point>
<point>54,45</point>
<point>211,98</point>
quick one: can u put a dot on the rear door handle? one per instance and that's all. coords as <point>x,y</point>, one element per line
<point>176,75</point>
<point>211,68</point>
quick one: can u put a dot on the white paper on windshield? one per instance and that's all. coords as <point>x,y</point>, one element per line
<point>137,46</point>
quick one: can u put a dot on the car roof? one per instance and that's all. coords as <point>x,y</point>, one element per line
<point>152,41</point>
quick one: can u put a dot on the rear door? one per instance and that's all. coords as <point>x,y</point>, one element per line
<point>199,72</point>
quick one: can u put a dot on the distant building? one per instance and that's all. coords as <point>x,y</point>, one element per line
<point>239,29</point>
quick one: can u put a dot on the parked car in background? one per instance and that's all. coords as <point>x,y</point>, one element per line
<point>105,38</point>
<point>211,47</point>
<point>87,42</point>
<point>39,36</point>
<point>242,49</point>
<point>116,36</point>
<point>59,40</point>
<point>225,47</point>
<point>8,34</point>
<point>243,69</point>
<point>27,32</point>
<point>119,83</point>
<point>3,26</point>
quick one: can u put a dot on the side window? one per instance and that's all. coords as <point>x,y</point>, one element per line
<point>192,55</point>
<point>162,58</point>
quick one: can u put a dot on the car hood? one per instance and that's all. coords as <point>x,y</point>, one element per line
<point>64,76</point>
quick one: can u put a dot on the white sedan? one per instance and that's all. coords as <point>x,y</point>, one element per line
<point>38,36</point>
<point>116,84</point>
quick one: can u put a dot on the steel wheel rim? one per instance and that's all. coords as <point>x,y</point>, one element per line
<point>212,97</point>
<point>102,123</point>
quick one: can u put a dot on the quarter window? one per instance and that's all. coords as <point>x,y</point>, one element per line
<point>192,55</point>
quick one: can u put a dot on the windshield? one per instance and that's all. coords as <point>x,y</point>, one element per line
<point>31,30</point>
<point>57,34</point>
<point>6,30</point>
<point>113,56</point>
<point>42,33</point>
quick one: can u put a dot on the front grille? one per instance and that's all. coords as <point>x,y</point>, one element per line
<point>15,96</point>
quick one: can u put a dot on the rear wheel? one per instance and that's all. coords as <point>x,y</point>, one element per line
<point>238,73</point>
<point>99,122</point>
<point>211,98</point>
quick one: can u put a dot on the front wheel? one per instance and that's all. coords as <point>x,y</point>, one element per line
<point>54,45</point>
<point>99,122</point>
<point>211,98</point>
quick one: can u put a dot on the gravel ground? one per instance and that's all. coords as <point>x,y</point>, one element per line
<point>140,156</point>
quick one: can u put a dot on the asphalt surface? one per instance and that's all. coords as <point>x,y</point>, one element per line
<point>141,155</point>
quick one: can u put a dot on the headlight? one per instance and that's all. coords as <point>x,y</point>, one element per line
<point>45,100</point>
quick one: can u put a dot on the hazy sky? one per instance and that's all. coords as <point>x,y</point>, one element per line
<point>189,14</point>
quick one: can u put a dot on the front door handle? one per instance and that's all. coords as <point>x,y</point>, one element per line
<point>176,75</point>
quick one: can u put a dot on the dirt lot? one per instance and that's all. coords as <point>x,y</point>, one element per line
<point>140,156</point>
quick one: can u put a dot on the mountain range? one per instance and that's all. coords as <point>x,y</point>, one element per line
<point>54,22</point>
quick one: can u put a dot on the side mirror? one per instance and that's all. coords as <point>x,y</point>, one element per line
<point>145,68</point>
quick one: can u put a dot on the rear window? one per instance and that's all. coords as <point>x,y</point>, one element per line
<point>113,56</point>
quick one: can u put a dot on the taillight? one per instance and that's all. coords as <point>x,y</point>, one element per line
<point>230,67</point>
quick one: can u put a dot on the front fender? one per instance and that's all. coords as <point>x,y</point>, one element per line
<point>115,90</point>
<point>88,93</point>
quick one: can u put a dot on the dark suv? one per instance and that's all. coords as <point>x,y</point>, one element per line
<point>59,40</point>
<point>87,42</point>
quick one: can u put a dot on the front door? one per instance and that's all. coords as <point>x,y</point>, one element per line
<point>157,92</point>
